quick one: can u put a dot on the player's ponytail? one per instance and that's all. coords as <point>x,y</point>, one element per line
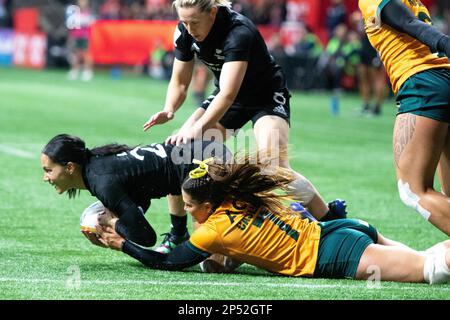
<point>64,148</point>
<point>109,149</point>
<point>248,180</point>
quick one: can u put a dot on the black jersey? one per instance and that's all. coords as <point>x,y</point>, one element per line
<point>126,182</point>
<point>135,177</point>
<point>128,178</point>
<point>234,37</point>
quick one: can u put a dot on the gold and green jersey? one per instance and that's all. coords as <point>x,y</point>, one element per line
<point>401,54</point>
<point>285,244</point>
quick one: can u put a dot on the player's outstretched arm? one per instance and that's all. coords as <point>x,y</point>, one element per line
<point>176,93</point>
<point>179,258</point>
<point>396,15</point>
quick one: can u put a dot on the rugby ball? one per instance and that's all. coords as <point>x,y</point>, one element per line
<point>88,219</point>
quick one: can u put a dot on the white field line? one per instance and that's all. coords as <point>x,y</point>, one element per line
<point>214,284</point>
<point>17,152</point>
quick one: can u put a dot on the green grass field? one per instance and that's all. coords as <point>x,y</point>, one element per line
<point>42,251</point>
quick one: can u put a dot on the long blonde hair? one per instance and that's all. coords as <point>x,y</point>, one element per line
<point>203,5</point>
<point>248,180</point>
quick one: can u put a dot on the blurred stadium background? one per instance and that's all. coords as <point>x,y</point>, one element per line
<point>345,153</point>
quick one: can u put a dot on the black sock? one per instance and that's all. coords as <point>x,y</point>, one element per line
<point>377,109</point>
<point>179,225</point>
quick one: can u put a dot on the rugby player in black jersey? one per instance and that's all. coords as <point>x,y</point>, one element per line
<point>125,179</point>
<point>249,85</point>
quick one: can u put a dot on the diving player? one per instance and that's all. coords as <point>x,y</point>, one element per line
<point>242,216</point>
<point>125,179</point>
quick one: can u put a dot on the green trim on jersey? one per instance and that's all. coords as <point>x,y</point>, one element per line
<point>197,250</point>
<point>382,4</point>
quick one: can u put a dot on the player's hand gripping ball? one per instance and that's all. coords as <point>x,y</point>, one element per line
<point>89,220</point>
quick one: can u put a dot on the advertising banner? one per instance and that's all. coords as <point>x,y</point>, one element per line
<point>6,47</point>
<point>29,49</point>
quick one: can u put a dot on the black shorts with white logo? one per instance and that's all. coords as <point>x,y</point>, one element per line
<point>239,114</point>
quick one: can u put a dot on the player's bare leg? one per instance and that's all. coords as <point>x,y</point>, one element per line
<point>444,167</point>
<point>418,144</point>
<point>267,129</point>
<point>400,263</point>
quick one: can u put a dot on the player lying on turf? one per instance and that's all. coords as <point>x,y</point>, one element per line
<point>242,216</point>
<point>125,179</point>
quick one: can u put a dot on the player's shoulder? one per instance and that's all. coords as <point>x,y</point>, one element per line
<point>241,24</point>
<point>371,6</point>
<point>100,173</point>
<point>181,35</point>
<point>101,169</point>
<point>100,164</point>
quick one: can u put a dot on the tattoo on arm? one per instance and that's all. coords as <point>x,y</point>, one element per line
<point>403,132</point>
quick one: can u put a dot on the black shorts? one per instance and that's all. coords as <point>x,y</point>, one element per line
<point>182,159</point>
<point>239,114</point>
<point>369,56</point>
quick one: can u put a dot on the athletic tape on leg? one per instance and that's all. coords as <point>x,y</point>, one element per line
<point>411,199</point>
<point>435,269</point>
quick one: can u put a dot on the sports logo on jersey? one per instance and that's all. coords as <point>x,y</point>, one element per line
<point>280,109</point>
<point>213,66</point>
<point>219,55</point>
<point>279,98</point>
<point>195,47</point>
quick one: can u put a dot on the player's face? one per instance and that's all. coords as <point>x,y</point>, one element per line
<point>200,211</point>
<point>55,174</point>
<point>197,23</point>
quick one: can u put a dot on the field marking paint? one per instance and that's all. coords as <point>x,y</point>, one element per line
<point>209,283</point>
<point>17,152</point>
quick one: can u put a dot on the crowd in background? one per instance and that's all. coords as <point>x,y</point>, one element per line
<point>310,61</point>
